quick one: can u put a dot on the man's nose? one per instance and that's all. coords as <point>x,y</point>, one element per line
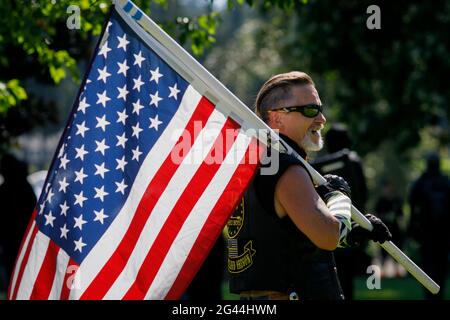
<point>320,118</point>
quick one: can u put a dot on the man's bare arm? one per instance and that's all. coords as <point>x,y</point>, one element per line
<point>296,197</point>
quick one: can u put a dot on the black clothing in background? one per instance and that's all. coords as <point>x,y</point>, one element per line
<point>17,202</point>
<point>429,200</point>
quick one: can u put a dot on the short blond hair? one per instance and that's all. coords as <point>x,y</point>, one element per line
<point>277,89</point>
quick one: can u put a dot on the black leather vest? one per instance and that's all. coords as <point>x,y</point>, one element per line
<point>269,253</point>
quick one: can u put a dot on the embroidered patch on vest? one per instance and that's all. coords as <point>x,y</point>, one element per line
<point>243,261</point>
<point>238,262</point>
<point>236,221</point>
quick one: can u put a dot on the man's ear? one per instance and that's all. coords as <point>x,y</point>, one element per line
<point>275,121</point>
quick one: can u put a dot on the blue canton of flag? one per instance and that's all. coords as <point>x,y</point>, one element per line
<point>129,97</point>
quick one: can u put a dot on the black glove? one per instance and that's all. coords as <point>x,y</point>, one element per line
<point>380,232</point>
<point>334,183</point>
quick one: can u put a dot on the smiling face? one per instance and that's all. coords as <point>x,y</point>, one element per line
<point>306,132</point>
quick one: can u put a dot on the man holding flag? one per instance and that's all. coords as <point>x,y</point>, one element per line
<point>282,249</point>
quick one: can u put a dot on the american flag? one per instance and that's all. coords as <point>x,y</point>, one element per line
<point>144,178</point>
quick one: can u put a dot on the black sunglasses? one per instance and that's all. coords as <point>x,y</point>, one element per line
<point>308,110</point>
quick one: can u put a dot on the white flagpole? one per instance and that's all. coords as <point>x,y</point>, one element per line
<point>225,100</point>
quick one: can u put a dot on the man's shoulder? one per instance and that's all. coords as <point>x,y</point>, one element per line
<point>284,163</point>
<point>289,158</point>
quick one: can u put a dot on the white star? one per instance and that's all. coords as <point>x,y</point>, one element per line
<point>100,215</point>
<point>50,196</point>
<point>123,42</point>
<point>104,50</point>
<point>123,92</point>
<point>155,75</point>
<point>103,74</point>
<point>100,193</point>
<point>121,186</point>
<point>101,170</point>
<point>64,207</point>
<point>123,67</point>
<point>121,164</point>
<point>102,122</point>
<point>137,106</point>
<point>174,91</point>
<point>64,231</point>
<point>155,99</point>
<point>81,129</point>
<point>80,199</point>
<point>122,116</point>
<point>121,140</point>
<point>79,222</point>
<point>136,154</point>
<point>79,244</point>
<point>136,130</point>
<point>137,84</point>
<point>80,175</point>
<point>138,58</point>
<point>102,98</point>
<point>81,153</point>
<point>154,122</point>
<point>64,162</point>
<point>63,185</point>
<point>101,146</point>
<point>49,218</point>
<point>83,105</point>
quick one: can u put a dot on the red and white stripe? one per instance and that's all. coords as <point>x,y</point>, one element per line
<point>207,218</point>
<point>34,264</point>
<point>174,213</point>
<point>22,257</point>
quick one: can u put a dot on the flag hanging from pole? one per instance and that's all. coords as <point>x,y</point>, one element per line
<point>146,174</point>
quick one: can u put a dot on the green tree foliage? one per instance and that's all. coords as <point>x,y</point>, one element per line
<point>35,44</point>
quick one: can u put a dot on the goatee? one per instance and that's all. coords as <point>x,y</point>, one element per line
<point>308,143</point>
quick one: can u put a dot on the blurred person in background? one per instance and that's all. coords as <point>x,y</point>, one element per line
<point>429,200</point>
<point>342,161</point>
<point>389,207</point>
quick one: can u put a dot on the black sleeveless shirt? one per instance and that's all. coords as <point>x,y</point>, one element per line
<point>266,252</point>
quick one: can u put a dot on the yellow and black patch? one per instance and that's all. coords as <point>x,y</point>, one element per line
<point>236,221</point>
<point>243,261</point>
<point>238,262</point>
